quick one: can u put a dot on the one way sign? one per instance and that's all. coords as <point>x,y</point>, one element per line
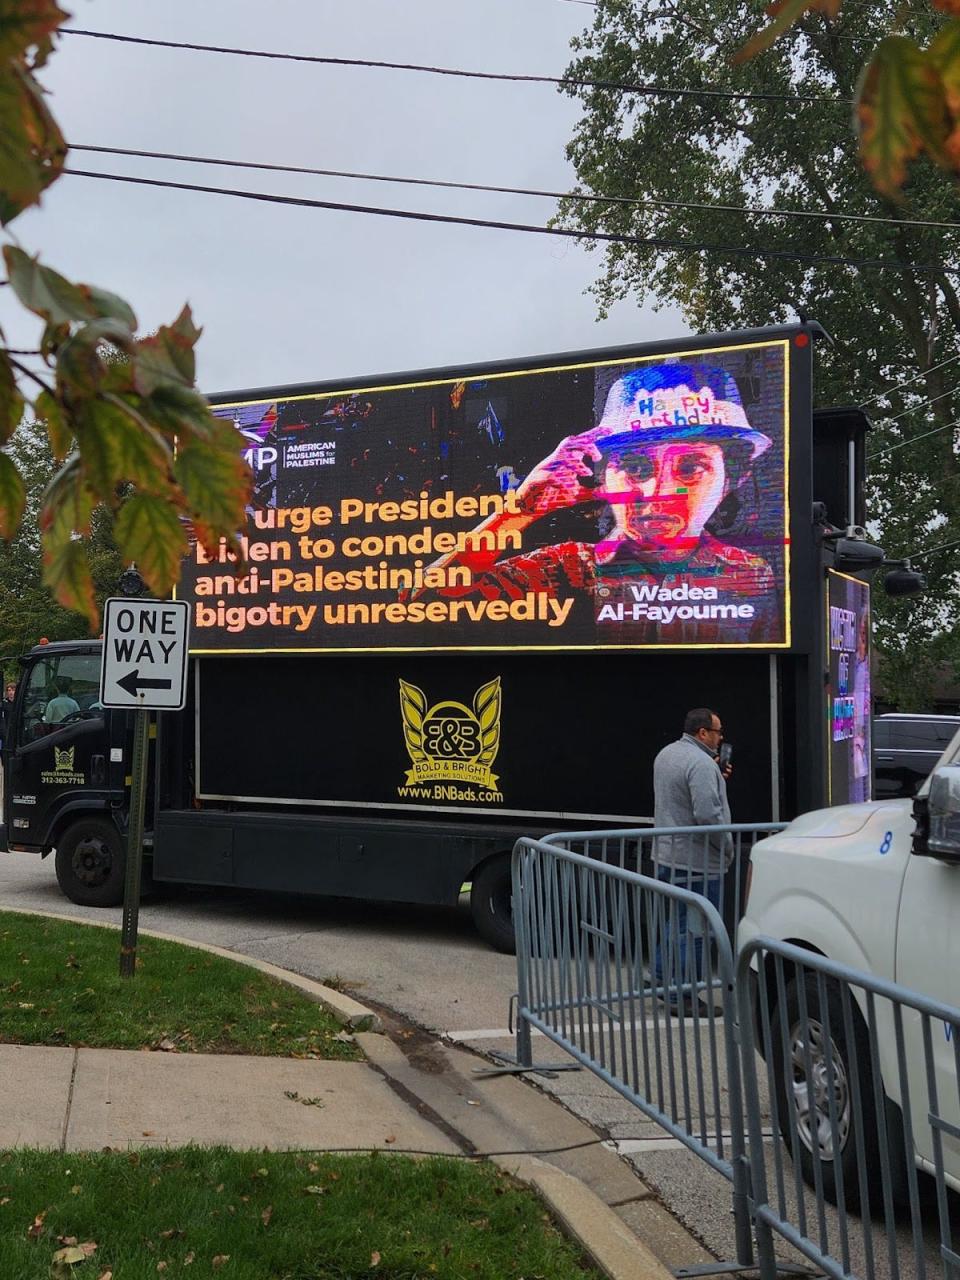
<point>144,654</point>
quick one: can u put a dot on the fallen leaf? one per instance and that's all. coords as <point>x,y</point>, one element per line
<point>105,1275</point>
<point>267,1215</point>
<point>174,1233</point>
<point>188,1258</point>
<point>66,1239</point>
<point>4,1199</point>
<point>36,1230</point>
<point>89,1247</point>
<point>65,1258</point>
<point>375,1259</point>
<point>219,1260</point>
<point>23,1005</point>
<point>148,1133</point>
<point>161,1266</point>
<point>166,1045</point>
<point>392,1137</point>
<point>316,1191</point>
<point>75,1191</point>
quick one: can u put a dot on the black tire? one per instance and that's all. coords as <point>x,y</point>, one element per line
<point>491,904</point>
<point>806,1129</point>
<point>91,862</point>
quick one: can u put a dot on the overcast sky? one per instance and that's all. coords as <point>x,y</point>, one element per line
<point>296,295</point>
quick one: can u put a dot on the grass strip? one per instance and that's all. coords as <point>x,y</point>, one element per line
<point>249,1215</point>
<point>60,985</point>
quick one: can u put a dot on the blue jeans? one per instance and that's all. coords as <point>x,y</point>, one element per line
<point>672,952</point>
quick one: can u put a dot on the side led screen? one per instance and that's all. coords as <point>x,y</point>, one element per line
<point>848,694</point>
<point>624,504</point>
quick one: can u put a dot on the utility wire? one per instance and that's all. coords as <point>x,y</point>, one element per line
<point>944,546</point>
<point>879,453</point>
<point>650,242</point>
<point>518,191</point>
<point>650,90</point>
<point>883,395</point>
<point>923,405</point>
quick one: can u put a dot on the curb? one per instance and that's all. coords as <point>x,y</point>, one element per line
<point>581,1214</point>
<point>347,1011</point>
<point>606,1240</point>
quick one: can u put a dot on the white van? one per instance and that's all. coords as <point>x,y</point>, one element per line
<point>868,886</point>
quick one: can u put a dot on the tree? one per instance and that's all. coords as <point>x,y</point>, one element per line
<point>132,434</point>
<point>28,610</point>
<point>789,150</point>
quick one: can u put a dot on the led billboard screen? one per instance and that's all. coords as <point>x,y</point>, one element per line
<point>848,690</point>
<point>628,503</point>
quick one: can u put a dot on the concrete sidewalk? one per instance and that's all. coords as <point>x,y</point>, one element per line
<point>412,1094</point>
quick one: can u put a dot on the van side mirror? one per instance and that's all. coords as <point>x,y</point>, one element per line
<point>939,835</point>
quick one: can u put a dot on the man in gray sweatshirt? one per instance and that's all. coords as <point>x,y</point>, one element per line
<point>689,791</point>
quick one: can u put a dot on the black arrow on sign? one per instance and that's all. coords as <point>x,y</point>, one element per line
<point>132,682</point>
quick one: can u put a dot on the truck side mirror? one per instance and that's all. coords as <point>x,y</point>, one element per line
<point>939,835</point>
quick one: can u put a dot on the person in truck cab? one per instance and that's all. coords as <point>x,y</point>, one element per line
<point>673,445</point>
<point>689,790</point>
<point>61,704</point>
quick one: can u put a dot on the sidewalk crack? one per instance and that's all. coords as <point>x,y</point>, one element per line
<point>66,1118</point>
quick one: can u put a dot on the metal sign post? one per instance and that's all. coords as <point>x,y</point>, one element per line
<point>144,669</point>
<point>134,865</point>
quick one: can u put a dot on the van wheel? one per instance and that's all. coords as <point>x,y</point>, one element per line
<point>820,1062</point>
<point>491,903</point>
<point>90,863</point>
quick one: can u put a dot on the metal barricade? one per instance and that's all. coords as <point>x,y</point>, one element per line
<point>711,860</point>
<point>863,1080</point>
<point>632,975</point>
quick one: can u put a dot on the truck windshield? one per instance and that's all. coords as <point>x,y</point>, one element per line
<point>61,689</point>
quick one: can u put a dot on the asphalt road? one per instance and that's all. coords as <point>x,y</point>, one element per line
<point>428,965</point>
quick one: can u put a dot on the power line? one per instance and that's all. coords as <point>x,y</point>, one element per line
<point>519,191</point>
<point>879,453</point>
<point>650,242</point>
<point>923,404</point>
<point>944,546</point>
<point>650,90</point>
<point>883,395</point>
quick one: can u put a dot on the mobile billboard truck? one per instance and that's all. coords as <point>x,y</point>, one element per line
<point>473,604</point>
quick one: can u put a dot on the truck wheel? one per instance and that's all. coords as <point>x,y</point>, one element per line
<point>90,863</point>
<point>491,903</point>
<point>804,1084</point>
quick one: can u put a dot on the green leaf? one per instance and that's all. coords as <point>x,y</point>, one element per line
<point>117,446</point>
<point>25,24</point>
<point>179,411</point>
<point>44,291</point>
<point>901,109</point>
<point>216,481</point>
<point>80,366</point>
<point>11,401</point>
<point>167,355</point>
<point>67,574</point>
<point>944,53</point>
<point>109,305</point>
<point>149,531</point>
<point>32,148</point>
<point>59,429</point>
<point>67,503</point>
<point>13,497</point>
<point>784,13</point>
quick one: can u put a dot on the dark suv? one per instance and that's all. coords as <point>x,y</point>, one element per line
<point>905,749</point>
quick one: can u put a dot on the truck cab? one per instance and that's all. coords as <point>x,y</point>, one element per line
<point>867,886</point>
<point>63,770</point>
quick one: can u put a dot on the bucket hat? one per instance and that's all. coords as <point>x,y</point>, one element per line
<point>676,402</point>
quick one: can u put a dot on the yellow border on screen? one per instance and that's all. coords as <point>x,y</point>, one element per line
<point>524,373</point>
